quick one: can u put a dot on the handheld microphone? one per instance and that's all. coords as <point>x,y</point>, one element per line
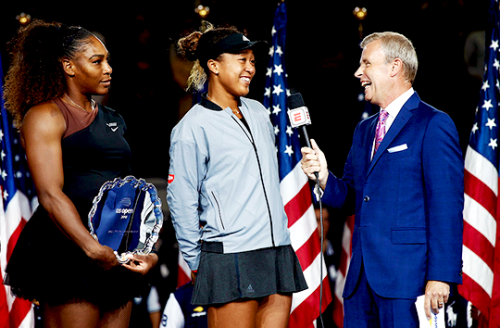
<point>299,116</point>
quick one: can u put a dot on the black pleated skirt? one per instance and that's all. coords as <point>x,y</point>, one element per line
<point>223,278</point>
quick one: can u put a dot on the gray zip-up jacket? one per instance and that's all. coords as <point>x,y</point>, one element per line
<point>223,181</point>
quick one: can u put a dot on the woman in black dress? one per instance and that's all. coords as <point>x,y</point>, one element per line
<point>72,146</point>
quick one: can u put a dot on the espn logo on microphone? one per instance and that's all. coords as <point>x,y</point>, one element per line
<point>299,116</point>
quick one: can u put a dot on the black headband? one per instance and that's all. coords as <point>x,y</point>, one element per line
<point>233,44</point>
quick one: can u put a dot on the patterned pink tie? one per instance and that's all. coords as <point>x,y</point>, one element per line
<point>380,132</point>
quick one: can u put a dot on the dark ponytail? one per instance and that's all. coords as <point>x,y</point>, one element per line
<point>35,74</point>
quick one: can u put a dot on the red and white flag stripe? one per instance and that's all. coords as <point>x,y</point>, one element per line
<point>296,195</point>
<point>183,271</point>
<point>14,312</point>
<point>481,235</point>
<point>345,258</point>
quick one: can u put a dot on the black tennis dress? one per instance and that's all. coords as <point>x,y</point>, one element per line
<point>45,265</point>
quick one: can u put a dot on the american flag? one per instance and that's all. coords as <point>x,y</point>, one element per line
<point>294,185</point>
<point>16,204</point>
<point>481,257</point>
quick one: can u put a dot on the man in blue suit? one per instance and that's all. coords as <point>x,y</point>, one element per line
<point>403,179</point>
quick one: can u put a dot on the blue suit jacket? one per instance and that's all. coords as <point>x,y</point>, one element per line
<point>408,202</point>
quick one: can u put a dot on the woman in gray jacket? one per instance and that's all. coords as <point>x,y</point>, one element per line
<point>223,191</point>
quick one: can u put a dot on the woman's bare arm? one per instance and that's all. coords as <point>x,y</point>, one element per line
<point>41,134</point>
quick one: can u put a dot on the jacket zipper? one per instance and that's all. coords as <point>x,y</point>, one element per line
<point>218,208</point>
<point>261,178</point>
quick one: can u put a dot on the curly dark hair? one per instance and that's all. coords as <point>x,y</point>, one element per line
<point>196,47</point>
<point>36,74</point>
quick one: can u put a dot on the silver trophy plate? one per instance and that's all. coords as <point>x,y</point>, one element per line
<point>126,215</point>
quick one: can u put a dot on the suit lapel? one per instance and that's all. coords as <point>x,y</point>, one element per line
<point>369,143</point>
<point>399,123</point>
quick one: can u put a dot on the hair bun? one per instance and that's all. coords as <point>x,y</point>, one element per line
<point>188,45</point>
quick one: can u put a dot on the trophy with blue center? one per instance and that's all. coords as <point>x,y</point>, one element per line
<point>126,215</point>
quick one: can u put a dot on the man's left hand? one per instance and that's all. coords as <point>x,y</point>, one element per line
<point>436,295</point>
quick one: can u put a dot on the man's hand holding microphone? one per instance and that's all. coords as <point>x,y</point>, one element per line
<point>314,161</point>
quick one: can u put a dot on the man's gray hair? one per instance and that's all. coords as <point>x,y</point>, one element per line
<point>396,45</point>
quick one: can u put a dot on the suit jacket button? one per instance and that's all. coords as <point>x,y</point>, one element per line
<point>366,199</point>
